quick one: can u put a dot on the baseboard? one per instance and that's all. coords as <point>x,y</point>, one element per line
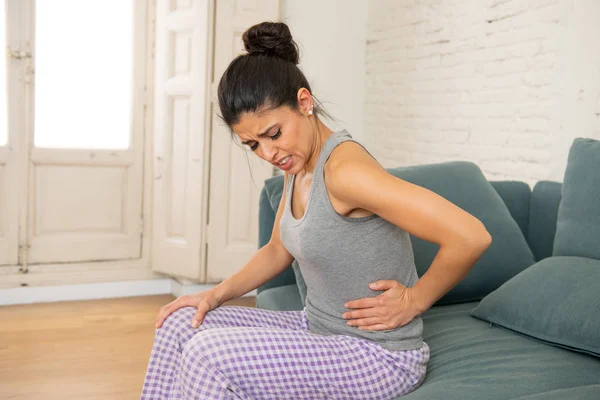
<point>103,290</point>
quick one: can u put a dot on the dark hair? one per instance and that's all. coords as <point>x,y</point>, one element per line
<point>266,77</point>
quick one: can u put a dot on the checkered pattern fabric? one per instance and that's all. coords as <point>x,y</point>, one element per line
<point>248,353</point>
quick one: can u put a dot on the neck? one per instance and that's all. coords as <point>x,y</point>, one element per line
<point>321,134</point>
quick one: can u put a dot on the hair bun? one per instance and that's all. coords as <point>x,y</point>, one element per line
<point>271,39</point>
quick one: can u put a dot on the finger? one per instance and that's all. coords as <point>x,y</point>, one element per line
<point>162,315</point>
<point>158,314</point>
<point>162,310</point>
<point>198,317</point>
<point>170,308</point>
<point>167,309</point>
<point>362,303</point>
<point>364,321</point>
<point>361,313</point>
<point>383,284</point>
<point>376,327</point>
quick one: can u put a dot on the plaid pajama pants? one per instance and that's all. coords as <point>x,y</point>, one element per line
<point>248,353</point>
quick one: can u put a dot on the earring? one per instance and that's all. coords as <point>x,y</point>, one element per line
<point>310,111</point>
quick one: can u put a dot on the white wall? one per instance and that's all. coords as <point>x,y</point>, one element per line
<point>577,107</point>
<point>331,36</point>
<point>507,85</point>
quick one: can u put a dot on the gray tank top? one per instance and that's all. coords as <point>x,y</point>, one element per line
<point>339,256</point>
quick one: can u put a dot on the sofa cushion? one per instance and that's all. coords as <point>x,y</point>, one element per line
<point>543,212</point>
<point>471,359</point>
<point>463,184</point>
<point>274,190</point>
<point>578,224</point>
<point>555,301</point>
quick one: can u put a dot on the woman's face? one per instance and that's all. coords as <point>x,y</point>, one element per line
<point>280,136</point>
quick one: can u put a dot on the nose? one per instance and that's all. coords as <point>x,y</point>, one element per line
<point>269,152</point>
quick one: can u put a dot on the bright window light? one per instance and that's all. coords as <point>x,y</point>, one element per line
<point>83,74</point>
<point>3,86</point>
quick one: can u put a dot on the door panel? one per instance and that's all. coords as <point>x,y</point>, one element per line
<point>236,176</point>
<point>84,179</point>
<point>180,137</point>
<point>9,209</point>
<point>12,151</point>
<point>84,206</point>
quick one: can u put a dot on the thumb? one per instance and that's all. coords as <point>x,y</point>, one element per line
<point>382,285</point>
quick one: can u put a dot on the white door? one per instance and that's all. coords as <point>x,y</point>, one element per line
<point>180,139</point>
<point>12,64</point>
<point>84,130</point>
<point>234,191</point>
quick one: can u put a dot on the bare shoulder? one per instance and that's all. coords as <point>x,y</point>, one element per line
<point>348,153</point>
<point>348,159</point>
<point>347,172</point>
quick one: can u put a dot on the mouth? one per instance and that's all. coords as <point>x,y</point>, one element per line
<point>284,161</point>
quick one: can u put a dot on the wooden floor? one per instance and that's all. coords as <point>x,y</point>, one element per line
<point>79,350</point>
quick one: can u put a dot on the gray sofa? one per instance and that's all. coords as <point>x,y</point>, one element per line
<point>473,358</point>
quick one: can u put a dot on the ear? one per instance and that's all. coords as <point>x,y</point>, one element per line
<point>305,101</point>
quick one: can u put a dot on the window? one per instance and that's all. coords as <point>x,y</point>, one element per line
<point>84,74</point>
<point>77,130</point>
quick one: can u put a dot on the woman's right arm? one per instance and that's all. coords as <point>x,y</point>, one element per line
<point>265,264</point>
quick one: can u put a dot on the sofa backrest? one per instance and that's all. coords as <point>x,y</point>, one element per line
<point>270,196</point>
<point>543,215</point>
<point>535,211</point>
<point>516,195</point>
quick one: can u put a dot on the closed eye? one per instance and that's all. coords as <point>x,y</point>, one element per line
<point>277,134</point>
<point>273,137</point>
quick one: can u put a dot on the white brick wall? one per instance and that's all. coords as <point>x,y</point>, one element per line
<point>336,34</point>
<point>479,80</point>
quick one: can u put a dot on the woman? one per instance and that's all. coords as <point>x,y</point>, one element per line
<point>347,223</point>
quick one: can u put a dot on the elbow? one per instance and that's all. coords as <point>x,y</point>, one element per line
<point>472,238</point>
<point>475,237</point>
<point>480,238</point>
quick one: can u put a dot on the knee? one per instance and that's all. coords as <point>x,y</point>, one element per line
<point>207,344</point>
<point>179,320</point>
<point>204,364</point>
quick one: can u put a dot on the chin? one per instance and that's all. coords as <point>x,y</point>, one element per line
<point>295,168</point>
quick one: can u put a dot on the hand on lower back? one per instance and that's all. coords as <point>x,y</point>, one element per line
<point>391,309</point>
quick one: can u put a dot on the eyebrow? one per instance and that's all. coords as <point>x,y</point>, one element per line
<point>260,134</point>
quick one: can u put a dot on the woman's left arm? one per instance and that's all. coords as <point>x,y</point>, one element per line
<point>358,181</point>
